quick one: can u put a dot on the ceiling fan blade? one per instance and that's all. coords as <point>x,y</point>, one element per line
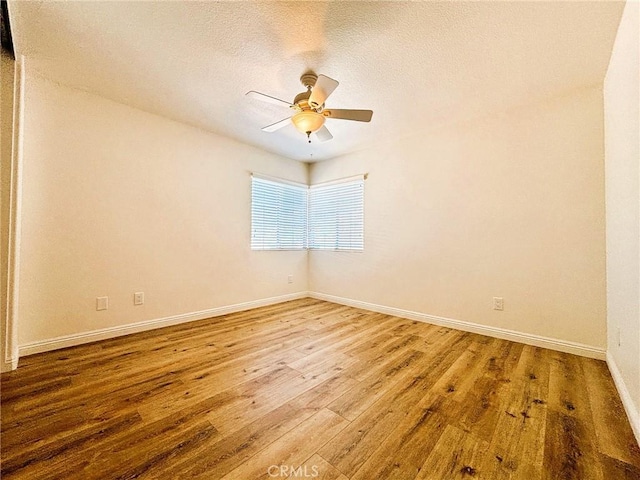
<point>356,115</point>
<point>267,98</point>
<point>277,126</point>
<point>321,90</point>
<point>324,134</point>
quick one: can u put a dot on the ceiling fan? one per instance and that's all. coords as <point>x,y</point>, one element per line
<point>310,113</point>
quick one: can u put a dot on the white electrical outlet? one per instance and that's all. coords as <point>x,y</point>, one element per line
<point>138,298</point>
<point>498,303</point>
<point>290,279</point>
<point>102,303</point>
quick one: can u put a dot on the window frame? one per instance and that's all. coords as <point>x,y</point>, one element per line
<point>338,215</point>
<point>344,201</point>
<point>267,187</point>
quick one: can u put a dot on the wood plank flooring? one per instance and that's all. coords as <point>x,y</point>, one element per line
<point>311,389</point>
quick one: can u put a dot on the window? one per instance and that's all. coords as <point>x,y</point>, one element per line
<point>336,215</point>
<point>291,216</point>
<point>278,215</point>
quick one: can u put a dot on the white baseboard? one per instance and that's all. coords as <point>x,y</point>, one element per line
<point>520,337</point>
<point>9,365</point>
<point>105,333</point>
<point>625,396</point>
<point>111,332</point>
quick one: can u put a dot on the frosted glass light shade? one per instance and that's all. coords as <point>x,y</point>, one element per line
<point>307,121</point>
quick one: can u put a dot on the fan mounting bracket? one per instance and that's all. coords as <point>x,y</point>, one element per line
<point>308,79</point>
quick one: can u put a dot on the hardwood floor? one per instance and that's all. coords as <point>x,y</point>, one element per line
<point>310,389</point>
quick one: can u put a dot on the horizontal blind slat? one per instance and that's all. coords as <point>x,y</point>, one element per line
<point>285,216</point>
<point>278,215</point>
<point>336,216</point>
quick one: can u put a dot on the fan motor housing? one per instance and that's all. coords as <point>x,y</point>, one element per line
<point>302,102</point>
<point>302,98</point>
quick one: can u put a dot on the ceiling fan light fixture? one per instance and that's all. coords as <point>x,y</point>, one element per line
<point>307,121</point>
<point>308,106</point>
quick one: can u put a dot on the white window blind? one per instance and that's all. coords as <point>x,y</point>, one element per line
<point>336,216</point>
<point>278,215</point>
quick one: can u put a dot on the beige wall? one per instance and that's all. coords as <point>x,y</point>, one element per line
<point>622,147</point>
<point>6,141</point>
<point>117,201</point>
<point>510,206</point>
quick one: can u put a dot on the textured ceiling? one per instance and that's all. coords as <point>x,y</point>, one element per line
<point>416,65</point>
